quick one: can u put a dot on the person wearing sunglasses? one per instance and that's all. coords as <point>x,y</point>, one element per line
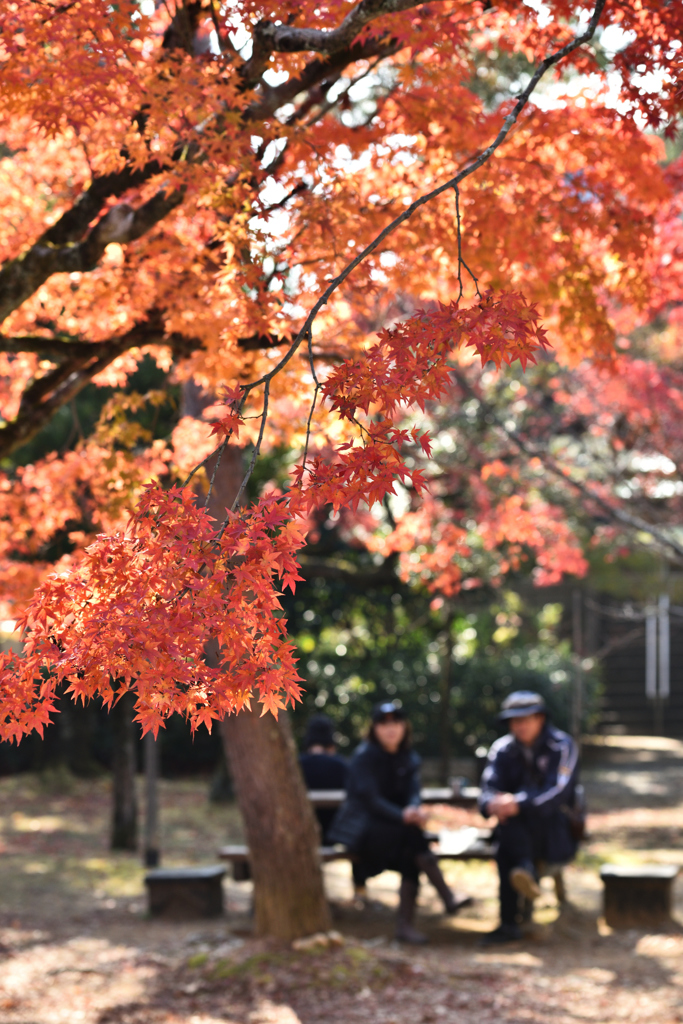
<point>382,820</point>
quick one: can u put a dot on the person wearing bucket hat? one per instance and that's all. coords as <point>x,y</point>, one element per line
<point>528,784</point>
<point>382,820</point>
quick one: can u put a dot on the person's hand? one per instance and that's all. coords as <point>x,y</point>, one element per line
<point>504,806</point>
<point>415,816</point>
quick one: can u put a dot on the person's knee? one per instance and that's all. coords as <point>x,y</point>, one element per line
<point>408,865</point>
<point>513,835</point>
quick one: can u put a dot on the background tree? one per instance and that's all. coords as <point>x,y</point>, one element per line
<point>234,191</point>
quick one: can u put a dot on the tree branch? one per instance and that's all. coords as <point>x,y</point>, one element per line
<point>151,332</point>
<point>69,247</point>
<point>21,277</point>
<point>269,38</point>
<point>361,579</point>
<point>82,361</point>
<point>422,200</point>
<point>317,71</point>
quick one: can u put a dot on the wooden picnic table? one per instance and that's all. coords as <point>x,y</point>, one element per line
<point>465,797</point>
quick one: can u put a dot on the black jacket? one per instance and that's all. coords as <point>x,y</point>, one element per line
<point>379,785</point>
<point>543,780</point>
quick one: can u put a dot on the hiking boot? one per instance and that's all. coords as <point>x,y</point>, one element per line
<point>500,935</point>
<point>523,881</point>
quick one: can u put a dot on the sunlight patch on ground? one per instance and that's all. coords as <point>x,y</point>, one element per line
<point>517,959</point>
<point>271,1013</point>
<point>35,867</point>
<point>46,823</point>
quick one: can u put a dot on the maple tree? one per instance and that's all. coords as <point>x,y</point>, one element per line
<point>249,194</point>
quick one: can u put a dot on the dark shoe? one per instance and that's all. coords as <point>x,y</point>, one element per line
<point>500,935</point>
<point>523,881</point>
<point>406,933</point>
<point>457,902</point>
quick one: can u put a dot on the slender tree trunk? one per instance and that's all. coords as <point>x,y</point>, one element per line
<point>124,833</point>
<point>280,825</point>
<point>151,852</point>
<point>445,724</point>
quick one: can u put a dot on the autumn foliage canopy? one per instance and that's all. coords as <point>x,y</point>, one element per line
<point>338,224</point>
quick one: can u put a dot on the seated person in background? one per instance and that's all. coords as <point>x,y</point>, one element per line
<point>528,784</point>
<point>322,766</point>
<point>382,820</point>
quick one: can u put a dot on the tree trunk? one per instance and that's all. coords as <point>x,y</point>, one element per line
<point>445,724</point>
<point>282,833</point>
<point>124,833</point>
<point>151,854</point>
<point>281,829</point>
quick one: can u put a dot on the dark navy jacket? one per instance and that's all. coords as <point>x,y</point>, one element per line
<point>324,771</point>
<point>379,785</point>
<point>543,780</point>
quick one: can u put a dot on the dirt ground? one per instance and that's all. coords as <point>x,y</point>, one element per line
<point>77,946</point>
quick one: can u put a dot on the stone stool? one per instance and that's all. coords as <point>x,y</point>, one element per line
<point>182,893</point>
<point>638,897</point>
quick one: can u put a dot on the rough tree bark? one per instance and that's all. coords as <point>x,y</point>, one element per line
<point>124,832</point>
<point>289,899</point>
<point>280,826</point>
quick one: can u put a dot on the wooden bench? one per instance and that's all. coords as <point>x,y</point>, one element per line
<point>460,844</point>
<point>638,897</point>
<point>182,893</point>
<point>467,843</point>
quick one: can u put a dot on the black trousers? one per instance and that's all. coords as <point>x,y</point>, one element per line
<point>521,841</point>
<point>389,846</point>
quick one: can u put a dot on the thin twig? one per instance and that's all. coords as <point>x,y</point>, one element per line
<point>508,124</point>
<point>452,183</point>
<point>221,449</point>
<point>206,458</point>
<point>620,641</point>
<point>330,104</point>
<point>457,227</point>
<point>308,428</point>
<point>216,25</point>
<point>313,403</point>
<point>254,456</point>
<point>614,512</point>
<point>461,261</point>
